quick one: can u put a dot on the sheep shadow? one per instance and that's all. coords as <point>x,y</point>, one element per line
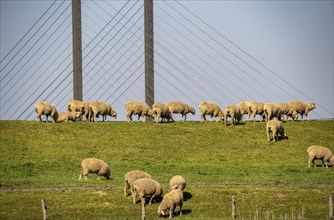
<point>177,213</point>
<point>187,196</point>
<point>279,138</point>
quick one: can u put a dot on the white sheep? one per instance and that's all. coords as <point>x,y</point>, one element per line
<point>276,127</point>
<point>177,182</point>
<point>130,177</point>
<point>137,108</point>
<point>256,108</point>
<point>302,108</point>
<point>320,153</point>
<point>170,201</point>
<point>287,110</point>
<point>180,108</point>
<point>101,108</point>
<point>94,165</point>
<point>86,111</point>
<point>68,116</point>
<point>233,112</point>
<point>161,110</point>
<point>244,108</point>
<point>272,110</point>
<point>212,109</point>
<point>47,109</point>
<point>146,188</point>
<point>74,106</point>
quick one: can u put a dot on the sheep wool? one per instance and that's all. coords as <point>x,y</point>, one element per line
<point>170,201</point>
<point>275,127</point>
<point>287,110</point>
<point>256,108</point>
<point>68,116</point>
<point>302,108</point>
<point>233,112</point>
<point>180,108</point>
<point>320,153</point>
<point>86,110</point>
<point>146,188</point>
<point>101,108</point>
<point>47,109</point>
<point>161,110</point>
<point>137,108</point>
<point>272,110</point>
<point>177,182</point>
<point>94,165</point>
<point>209,108</point>
<point>244,108</point>
<point>130,177</point>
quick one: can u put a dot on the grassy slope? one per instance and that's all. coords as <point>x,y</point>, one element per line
<point>49,155</point>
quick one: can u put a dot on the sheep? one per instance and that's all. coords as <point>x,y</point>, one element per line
<point>276,127</point>
<point>244,108</point>
<point>47,109</point>
<point>287,110</point>
<point>170,201</point>
<point>177,182</point>
<point>74,106</point>
<point>130,177</point>
<point>137,108</point>
<point>233,112</point>
<point>180,108</point>
<point>86,110</point>
<point>68,116</point>
<point>320,153</point>
<point>272,110</point>
<point>256,108</point>
<point>161,110</point>
<point>101,108</point>
<point>145,188</point>
<point>94,165</point>
<point>302,108</point>
<point>209,108</point>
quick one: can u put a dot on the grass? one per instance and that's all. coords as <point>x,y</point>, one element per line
<point>42,155</point>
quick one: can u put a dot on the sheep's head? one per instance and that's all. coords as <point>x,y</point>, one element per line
<point>112,113</point>
<point>107,174</point>
<point>150,113</point>
<point>311,105</point>
<point>192,110</point>
<point>78,115</point>
<point>331,161</point>
<point>162,209</point>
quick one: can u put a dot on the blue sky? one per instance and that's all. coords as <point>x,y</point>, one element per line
<point>194,61</point>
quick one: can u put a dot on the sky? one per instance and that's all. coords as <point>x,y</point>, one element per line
<point>219,51</point>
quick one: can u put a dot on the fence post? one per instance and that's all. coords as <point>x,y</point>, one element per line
<point>45,210</point>
<point>234,207</point>
<point>330,212</point>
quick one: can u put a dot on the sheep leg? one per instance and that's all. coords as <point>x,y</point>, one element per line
<point>143,208</point>
<point>181,208</point>
<point>150,203</point>
<point>126,187</point>
<point>268,135</point>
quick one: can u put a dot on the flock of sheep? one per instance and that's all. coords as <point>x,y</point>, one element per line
<point>141,183</point>
<point>141,186</point>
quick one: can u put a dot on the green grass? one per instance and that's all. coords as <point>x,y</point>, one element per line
<point>42,155</point>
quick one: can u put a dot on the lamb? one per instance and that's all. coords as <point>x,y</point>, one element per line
<point>161,110</point>
<point>244,108</point>
<point>209,108</point>
<point>272,110</point>
<point>302,108</point>
<point>287,110</point>
<point>170,201</point>
<point>94,165</point>
<point>180,108</point>
<point>137,108</point>
<point>233,112</point>
<point>68,116</point>
<point>276,127</point>
<point>145,188</point>
<point>256,108</point>
<point>47,109</point>
<point>320,153</point>
<point>101,108</point>
<point>130,177</point>
<point>177,182</point>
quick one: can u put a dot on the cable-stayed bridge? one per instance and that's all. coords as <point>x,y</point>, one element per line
<point>193,61</point>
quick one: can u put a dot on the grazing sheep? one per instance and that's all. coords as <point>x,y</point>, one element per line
<point>276,127</point>
<point>256,108</point>
<point>177,182</point>
<point>74,106</point>
<point>170,201</point>
<point>130,177</point>
<point>244,108</point>
<point>68,116</point>
<point>209,108</point>
<point>47,109</point>
<point>302,108</point>
<point>86,111</point>
<point>233,112</point>
<point>137,108</point>
<point>287,110</point>
<point>272,110</point>
<point>146,188</point>
<point>101,108</point>
<point>161,110</point>
<point>94,165</point>
<point>320,153</point>
<point>180,108</point>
